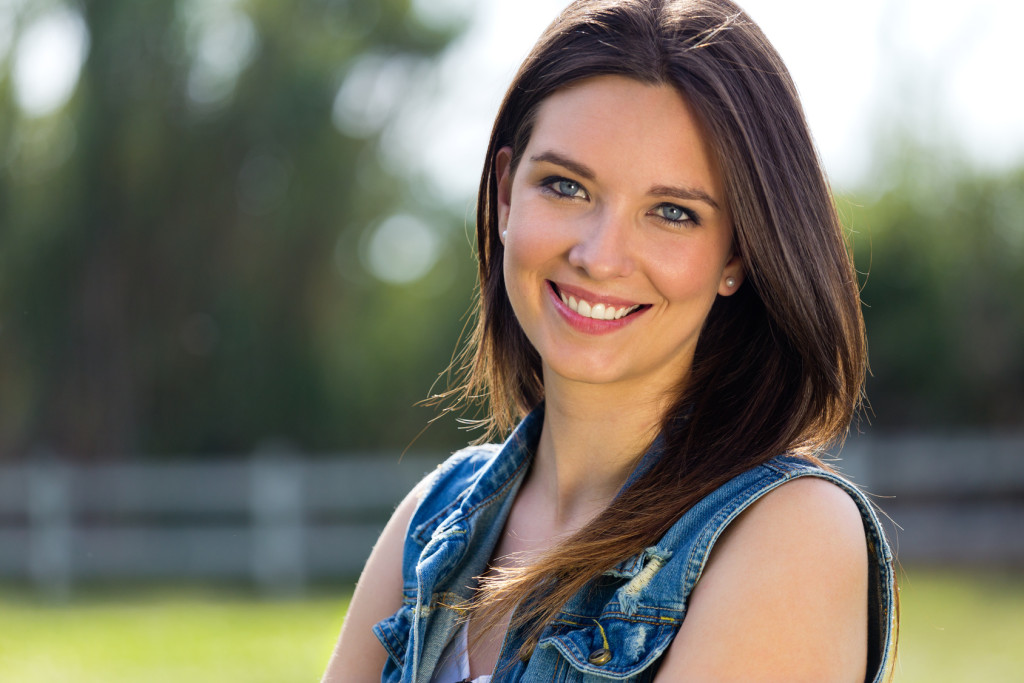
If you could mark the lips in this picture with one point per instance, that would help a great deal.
(588, 306)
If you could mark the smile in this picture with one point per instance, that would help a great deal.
(594, 311)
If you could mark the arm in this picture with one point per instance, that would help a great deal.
(359, 656)
(783, 596)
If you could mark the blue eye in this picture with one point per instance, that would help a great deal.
(674, 214)
(563, 187)
(570, 188)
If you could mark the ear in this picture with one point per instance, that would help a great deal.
(732, 275)
(503, 171)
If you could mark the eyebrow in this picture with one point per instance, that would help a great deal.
(559, 160)
(585, 172)
(686, 194)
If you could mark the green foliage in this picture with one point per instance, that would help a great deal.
(185, 276)
(944, 263)
(184, 246)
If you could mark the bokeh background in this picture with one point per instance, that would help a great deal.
(235, 254)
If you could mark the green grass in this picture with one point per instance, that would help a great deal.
(957, 627)
(960, 627)
(165, 636)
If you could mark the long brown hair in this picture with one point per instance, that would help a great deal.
(779, 366)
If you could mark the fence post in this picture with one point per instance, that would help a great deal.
(278, 537)
(49, 516)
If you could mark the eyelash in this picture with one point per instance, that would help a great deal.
(550, 184)
(688, 216)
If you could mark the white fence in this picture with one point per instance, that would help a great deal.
(956, 499)
(281, 521)
(278, 521)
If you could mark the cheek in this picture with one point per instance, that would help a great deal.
(533, 239)
(690, 274)
(515, 268)
(517, 291)
(518, 268)
(532, 256)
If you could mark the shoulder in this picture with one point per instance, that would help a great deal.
(359, 655)
(379, 591)
(810, 517)
(805, 505)
(784, 592)
(442, 490)
(461, 467)
(377, 595)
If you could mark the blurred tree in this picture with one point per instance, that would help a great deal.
(185, 274)
(943, 252)
(205, 247)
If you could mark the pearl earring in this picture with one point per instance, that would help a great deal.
(504, 235)
(730, 282)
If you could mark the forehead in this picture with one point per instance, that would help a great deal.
(621, 124)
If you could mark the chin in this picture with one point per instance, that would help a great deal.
(596, 372)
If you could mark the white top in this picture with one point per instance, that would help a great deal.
(453, 666)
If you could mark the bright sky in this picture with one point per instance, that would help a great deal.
(945, 70)
(948, 69)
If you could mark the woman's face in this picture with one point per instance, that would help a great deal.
(618, 234)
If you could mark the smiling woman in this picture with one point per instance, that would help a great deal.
(668, 311)
(646, 241)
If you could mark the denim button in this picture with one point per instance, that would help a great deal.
(600, 657)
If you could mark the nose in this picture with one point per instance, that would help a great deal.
(601, 249)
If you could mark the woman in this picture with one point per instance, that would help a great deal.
(666, 296)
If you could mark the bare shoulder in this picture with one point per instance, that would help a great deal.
(358, 655)
(803, 510)
(784, 593)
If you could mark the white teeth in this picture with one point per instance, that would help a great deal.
(596, 311)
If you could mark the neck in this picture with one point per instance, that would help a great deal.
(591, 439)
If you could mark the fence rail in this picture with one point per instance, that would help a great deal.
(277, 520)
(280, 520)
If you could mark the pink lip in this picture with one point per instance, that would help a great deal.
(590, 325)
(592, 298)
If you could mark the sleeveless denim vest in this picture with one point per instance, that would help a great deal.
(631, 613)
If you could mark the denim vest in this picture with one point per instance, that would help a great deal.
(631, 612)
